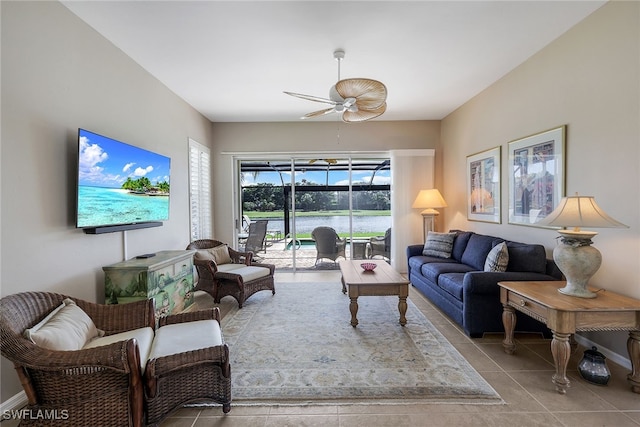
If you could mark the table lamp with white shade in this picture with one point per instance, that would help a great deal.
(575, 256)
(429, 200)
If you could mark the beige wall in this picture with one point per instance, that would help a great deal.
(57, 75)
(588, 79)
(299, 137)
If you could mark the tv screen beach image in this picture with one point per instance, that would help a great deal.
(119, 183)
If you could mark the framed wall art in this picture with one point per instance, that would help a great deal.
(536, 176)
(483, 186)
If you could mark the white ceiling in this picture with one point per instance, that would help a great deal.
(231, 60)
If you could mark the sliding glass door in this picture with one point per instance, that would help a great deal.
(298, 194)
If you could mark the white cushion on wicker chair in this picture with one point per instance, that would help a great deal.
(248, 272)
(144, 336)
(188, 336)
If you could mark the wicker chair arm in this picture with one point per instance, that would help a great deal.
(241, 257)
(116, 318)
(206, 268)
(192, 316)
(121, 356)
(230, 276)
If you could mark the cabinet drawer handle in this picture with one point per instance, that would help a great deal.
(523, 303)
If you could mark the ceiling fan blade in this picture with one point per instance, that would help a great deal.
(369, 94)
(363, 115)
(318, 113)
(311, 98)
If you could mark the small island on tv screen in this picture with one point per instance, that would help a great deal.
(119, 183)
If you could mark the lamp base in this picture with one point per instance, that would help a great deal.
(578, 261)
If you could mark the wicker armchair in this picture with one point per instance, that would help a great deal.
(91, 387)
(328, 243)
(240, 278)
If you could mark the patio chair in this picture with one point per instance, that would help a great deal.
(328, 244)
(381, 245)
(256, 237)
(224, 271)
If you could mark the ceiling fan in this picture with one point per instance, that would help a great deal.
(357, 100)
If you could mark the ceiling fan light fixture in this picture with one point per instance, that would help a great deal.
(356, 99)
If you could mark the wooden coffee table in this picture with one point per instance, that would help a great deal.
(382, 281)
(565, 315)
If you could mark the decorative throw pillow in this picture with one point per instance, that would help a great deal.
(219, 254)
(439, 245)
(498, 258)
(66, 328)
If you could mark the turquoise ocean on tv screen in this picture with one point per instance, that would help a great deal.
(104, 206)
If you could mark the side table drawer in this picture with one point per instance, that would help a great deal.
(526, 305)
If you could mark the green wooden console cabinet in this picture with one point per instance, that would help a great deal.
(166, 277)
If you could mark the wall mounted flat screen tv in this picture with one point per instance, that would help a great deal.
(120, 186)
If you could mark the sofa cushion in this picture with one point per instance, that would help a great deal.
(66, 328)
(183, 337)
(416, 262)
(433, 270)
(497, 259)
(144, 337)
(475, 254)
(439, 244)
(452, 284)
(460, 243)
(527, 258)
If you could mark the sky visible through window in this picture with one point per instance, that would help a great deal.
(318, 177)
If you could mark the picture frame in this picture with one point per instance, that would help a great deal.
(484, 185)
(536, 176)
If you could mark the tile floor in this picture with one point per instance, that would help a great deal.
(523, 380)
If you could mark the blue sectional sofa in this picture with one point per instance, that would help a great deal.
(469, 295)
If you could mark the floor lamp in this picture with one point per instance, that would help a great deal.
(429, 200)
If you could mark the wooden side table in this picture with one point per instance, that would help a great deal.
(565, 315)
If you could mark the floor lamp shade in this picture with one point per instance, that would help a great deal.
(575, 256)
(429, 200)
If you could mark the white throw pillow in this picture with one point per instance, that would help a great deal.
(497, 258)
(66, 328)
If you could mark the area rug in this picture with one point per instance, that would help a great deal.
(298, 346)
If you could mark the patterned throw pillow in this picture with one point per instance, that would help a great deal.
(439, 245)
(497, 259)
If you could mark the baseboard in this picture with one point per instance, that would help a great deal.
(14, 403)
(609, 354)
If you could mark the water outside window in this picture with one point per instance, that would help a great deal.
(350, 196)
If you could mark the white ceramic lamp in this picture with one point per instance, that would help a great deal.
(429, 200)
(575, 256)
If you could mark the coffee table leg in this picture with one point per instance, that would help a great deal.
(354, 310)
(509, 323)
(633, 347)
(561, 350)
(402, 308)
(344, 288)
